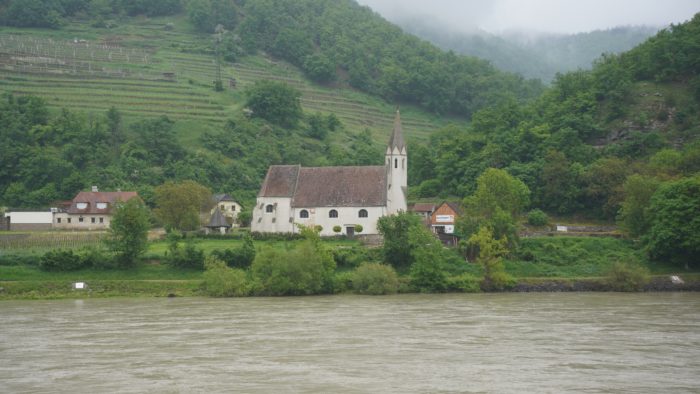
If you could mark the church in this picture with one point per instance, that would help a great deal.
(349, 198)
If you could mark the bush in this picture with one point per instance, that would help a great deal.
(465, 282)
(241, 257)
(537, 217)
(375, 279)
(498, 281)
(342, 281)
(358, 228)
(97, 258)
(222, 281)
(61, 260)
(351, 257)
(307, 269)
(337, 229)
(624, 276)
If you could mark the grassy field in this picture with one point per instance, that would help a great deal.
(146, 70)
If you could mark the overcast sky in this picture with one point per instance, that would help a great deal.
(556, 16)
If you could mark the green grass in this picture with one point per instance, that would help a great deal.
(146, 271)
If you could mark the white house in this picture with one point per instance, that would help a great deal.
(334, 196)
(228, 207)
(90, 210)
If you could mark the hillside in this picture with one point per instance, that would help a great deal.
(146, 68)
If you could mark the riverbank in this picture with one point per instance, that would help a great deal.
(64, 289)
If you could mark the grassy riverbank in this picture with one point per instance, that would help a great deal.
(539, 264)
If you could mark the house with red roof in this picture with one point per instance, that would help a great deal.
(90, 210)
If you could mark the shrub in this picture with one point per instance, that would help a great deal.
(342, 281)
(428, 268)
(307, 269)
(350, 257)
(465, 282)
(624, 276)
(375, 279)
(358, 228)
(241, 257)
(97, 258)
(60, 260)
(498, 281)
(222, 281)
(337, 229)
(537, 217)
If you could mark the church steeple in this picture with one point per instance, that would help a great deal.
(397, 169)
(396, 140)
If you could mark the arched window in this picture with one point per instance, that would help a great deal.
(403, 163)
(304, 214)
(332, 213)
(396, 163)
(362, 213)
(269, 208)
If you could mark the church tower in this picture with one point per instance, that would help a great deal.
(397, 170)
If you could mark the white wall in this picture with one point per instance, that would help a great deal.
(30, 217)
(275, 222)
(75, 223)
(347, 217)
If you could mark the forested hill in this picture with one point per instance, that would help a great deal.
(533, 55)
(332, 41)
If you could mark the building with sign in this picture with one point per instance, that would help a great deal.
(444, 218)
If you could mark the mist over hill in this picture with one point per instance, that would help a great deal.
(528, 53)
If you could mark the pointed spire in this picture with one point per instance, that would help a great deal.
(396, 140)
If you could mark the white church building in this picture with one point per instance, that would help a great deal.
(333, 197)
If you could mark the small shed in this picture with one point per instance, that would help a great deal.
(218, 222)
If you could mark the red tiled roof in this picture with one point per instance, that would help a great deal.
(356, 186)
(92, 198)
(280, 181)
(351, 186)
(423, 207)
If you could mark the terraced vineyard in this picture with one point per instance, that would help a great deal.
(162, 80)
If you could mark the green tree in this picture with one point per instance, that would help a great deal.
(276, 102)
(490, 253)
(396, 229)
(674, 217)
(128, 232)
(633, 216)
(428, 266)
(178, 204)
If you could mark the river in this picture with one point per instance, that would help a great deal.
(501, 343)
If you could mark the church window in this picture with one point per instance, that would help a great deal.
(403, 163)
(304, 214)
(269, 208)
(362, 213)
(333, 213)
(396, 163)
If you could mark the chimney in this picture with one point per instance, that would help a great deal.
(94, 189)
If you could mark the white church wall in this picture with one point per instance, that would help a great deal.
(347, 217)
(276, 221)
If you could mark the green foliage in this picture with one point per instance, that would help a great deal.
(61, 260)
(466, 283)
(179, 204)
(428, 269)
(276, 102)
(189, 256)
(674, 217)
(354, 256)
(627, 276)
(205, 15)
(375, 279)
(396, 229)
(638, 191)
(537, 217)
(337, 229)
(358, 228)
(240, 257)
(222, 281)
(490, 252)
(306, 269)
(128, 232)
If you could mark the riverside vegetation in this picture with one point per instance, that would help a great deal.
(618, 143)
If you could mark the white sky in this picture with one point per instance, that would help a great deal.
(555, 16)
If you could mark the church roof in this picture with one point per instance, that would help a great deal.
(396, 140)
(280, 181)
(358, 186)
(351, 186)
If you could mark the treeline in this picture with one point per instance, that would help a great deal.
(51, 156)
(52, 13)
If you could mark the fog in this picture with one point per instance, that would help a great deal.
(551, 16)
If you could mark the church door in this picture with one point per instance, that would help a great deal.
(350, 231)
